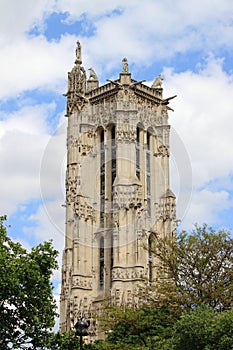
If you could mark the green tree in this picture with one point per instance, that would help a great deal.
(193, 330)
(27, 306)
(135, 329)
(202, 329)
(63, 341)
(196, 268)
(222, 331)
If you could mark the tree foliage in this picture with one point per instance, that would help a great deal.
(196, 269)
(203, 329)
(135, 329)
(63, 341)
(27, 306)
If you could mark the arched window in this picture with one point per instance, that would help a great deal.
(101, 263)
(150, 266)
(148, 175)
(113, 136)
(102, 176)
(113, 166)
(138, 154)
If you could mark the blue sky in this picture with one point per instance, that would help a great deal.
(189, 42)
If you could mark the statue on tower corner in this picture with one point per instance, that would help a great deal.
(93, 81)
(78, 53)
(93, 74)
(125, 65)
(157, 83)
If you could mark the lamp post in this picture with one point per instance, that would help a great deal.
(81, 330)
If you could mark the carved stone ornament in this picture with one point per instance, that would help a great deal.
(130, 273)
(84, 149)
(149, 114)
(126, 197)
(80, 206)
(125, 297)
(162, 151)
(82, 209)
(126, 133)
(104, 113)
(75, 103)
(71, 190)
(82, 282)
(126, 99)
(166, 209)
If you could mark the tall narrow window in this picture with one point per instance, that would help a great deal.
(113, 154)
(138, 154)
(148, 176)
(101, 263)
(150, 260)
(113, 160)
(102, 176)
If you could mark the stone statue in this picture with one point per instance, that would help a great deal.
(93, 74)
(157, 83)
(78, 53)
(125, 65)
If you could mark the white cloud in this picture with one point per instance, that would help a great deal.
(147, 31)
(205, 207)
(53, 166)
(32, 63)
(18, 17)
(91, 8)
(23, 136)
(143, 31)
(50, 216)
(203, 120)
(49, 223)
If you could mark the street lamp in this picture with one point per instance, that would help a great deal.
(81, 330)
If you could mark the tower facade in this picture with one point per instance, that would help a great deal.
(117, 190)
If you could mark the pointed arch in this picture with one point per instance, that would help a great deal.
(148, 172)
(101, 263)
(138, 149)
(113, 153)
(150, 258)
(102, 174)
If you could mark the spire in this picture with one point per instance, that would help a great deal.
(76, 84)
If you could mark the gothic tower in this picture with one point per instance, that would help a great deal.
(117, 190)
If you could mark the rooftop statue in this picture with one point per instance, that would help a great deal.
(125, 65)
(78, 53)
(93, 74)
(157, 83)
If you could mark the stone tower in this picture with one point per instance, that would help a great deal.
(117, 190)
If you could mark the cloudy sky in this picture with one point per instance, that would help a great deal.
(189, 42)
